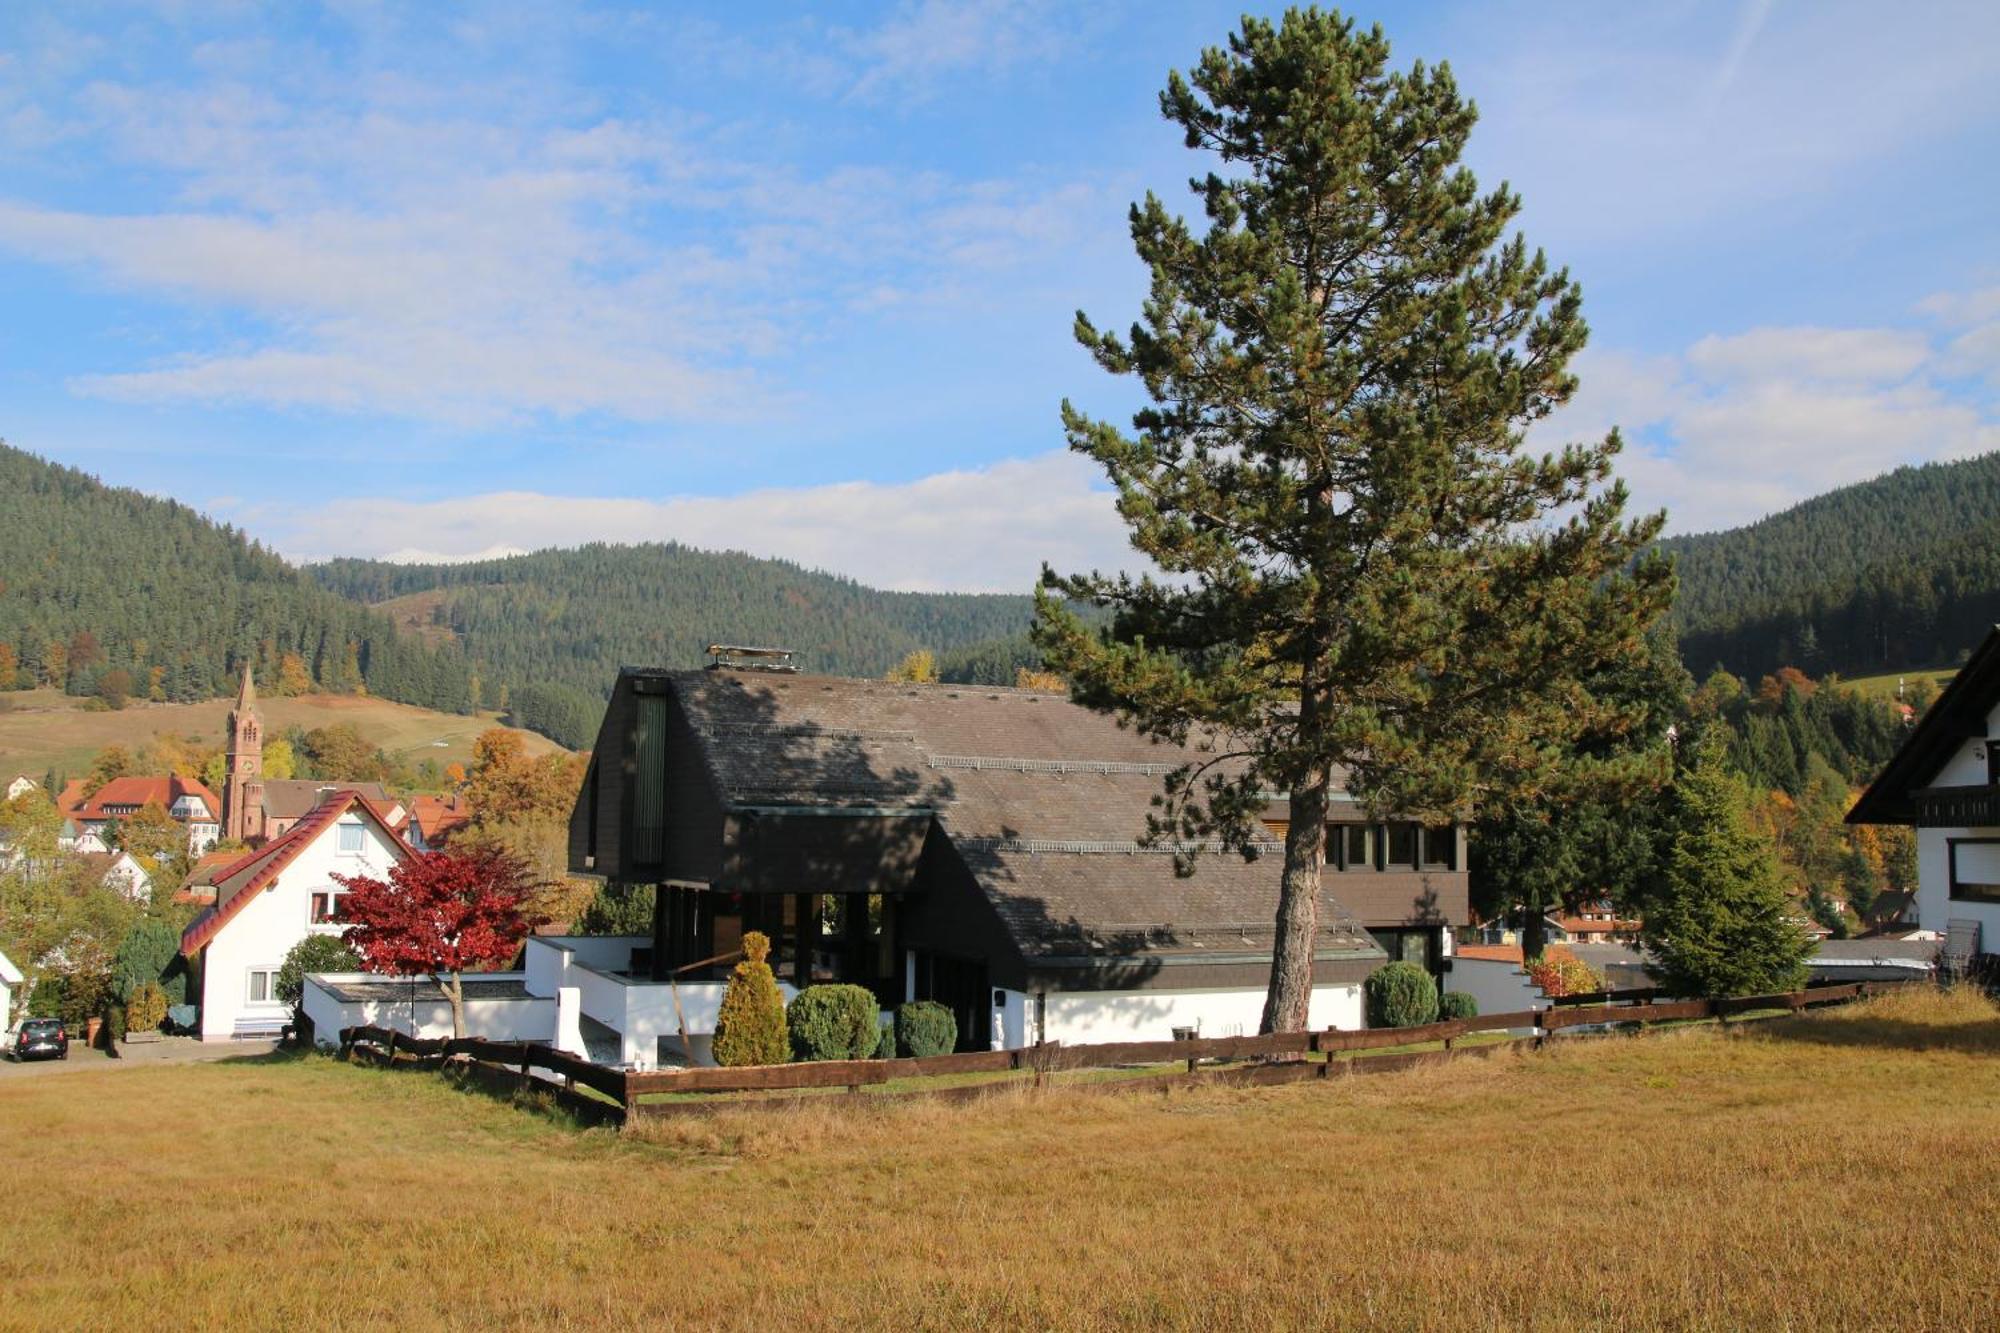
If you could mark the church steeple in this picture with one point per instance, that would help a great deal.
(243, 795)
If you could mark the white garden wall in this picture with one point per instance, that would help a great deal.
(1078, 1018)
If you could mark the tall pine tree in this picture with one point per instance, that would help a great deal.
(1364, 570)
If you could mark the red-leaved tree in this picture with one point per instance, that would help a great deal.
(442, 913)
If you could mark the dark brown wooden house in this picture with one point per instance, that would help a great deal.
(969, 844)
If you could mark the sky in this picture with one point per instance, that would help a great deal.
(436, 281)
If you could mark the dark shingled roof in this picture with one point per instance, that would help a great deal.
(1043, 799)
(293, 798)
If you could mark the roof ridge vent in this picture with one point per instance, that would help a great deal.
(745, 657)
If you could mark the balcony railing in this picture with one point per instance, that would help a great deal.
(1958, 807)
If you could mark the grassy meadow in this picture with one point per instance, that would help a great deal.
(1830, 1171)
(1884, 686)
(44, 729)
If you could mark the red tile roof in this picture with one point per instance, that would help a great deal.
(238, 884)
(74, 793)
(440, 816)
(163, 791)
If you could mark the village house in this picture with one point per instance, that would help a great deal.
(186, 799)
(1945, 782)
(21, 785)
(269, 899)
(11, 986)
(972, 845)
(434, 819)
(122, 872)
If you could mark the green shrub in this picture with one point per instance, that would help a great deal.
(885, 1045)
(114, 1023)
(925, 1027)
(46, 999)
(1401, 995)
(314, 953)
(147, 1008)
(833, 1023)
(1456, 1004)
(148, 949)
(750, 1028)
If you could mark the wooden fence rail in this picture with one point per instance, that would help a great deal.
(627, 1088)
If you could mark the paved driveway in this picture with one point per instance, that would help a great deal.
(140, 1055)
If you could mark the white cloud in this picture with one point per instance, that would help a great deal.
(397, 253)
(983, 530)
(927, 41)
(1743, 425)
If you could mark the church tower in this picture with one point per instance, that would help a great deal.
(243, 796)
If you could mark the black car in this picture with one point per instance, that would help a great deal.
(41, 1037)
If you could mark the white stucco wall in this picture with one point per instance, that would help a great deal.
(532, 1019)
(1935, 907)
(1080, 1017)
(1499, 987)
(259, 936)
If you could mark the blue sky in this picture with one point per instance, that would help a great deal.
(442, 280)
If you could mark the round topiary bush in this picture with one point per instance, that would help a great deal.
(925, 1027)
(750, 1027)
(1401, 995)
(834, 1023)
(1456, 1004)
(885, 1042)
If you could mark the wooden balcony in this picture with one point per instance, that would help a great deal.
(1958, 807)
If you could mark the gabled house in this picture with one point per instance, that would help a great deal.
(129, 875)
(434, 819)
(21, 785)
(977, 846)
(186, 799)
(1945, 782)
(269, 899)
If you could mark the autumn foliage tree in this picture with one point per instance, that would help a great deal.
(442, 914)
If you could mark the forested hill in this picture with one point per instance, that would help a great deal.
(1896, 573)
(567, 619)
(98, 580)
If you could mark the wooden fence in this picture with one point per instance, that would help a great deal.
(1284, 1056)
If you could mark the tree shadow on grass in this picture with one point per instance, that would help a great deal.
(1920, 1019)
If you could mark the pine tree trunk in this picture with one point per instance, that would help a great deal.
(1290, 996)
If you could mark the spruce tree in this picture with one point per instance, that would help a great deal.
(1367, 578)
(1718, 921)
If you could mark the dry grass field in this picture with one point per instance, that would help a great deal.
(1834, 1171)
(43, 729)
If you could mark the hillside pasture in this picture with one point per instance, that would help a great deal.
(1834, 1170)
(1884, 686)
(42, 729)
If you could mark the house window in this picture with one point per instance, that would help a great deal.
(325, 907)
(351, 841)
(263, 987)
(1402, 845)
(1441, 848)
(1359, 845)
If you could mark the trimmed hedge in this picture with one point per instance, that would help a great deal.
(925, 1027)
(750, 1029)
(885, 1044)
(147, 1008)
(1401, 995)
(1456, 1004)
(835, 1022)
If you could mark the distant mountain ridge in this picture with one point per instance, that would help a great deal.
(1895, 573)
(568, 618)
(97, 580)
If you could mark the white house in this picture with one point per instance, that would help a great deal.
(11, 981)
(130, 875)
(1945, 782)
(272, 898)
(20, 785)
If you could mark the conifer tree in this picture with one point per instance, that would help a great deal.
(750, 1024)
(1364, 568)
(1718, 920)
